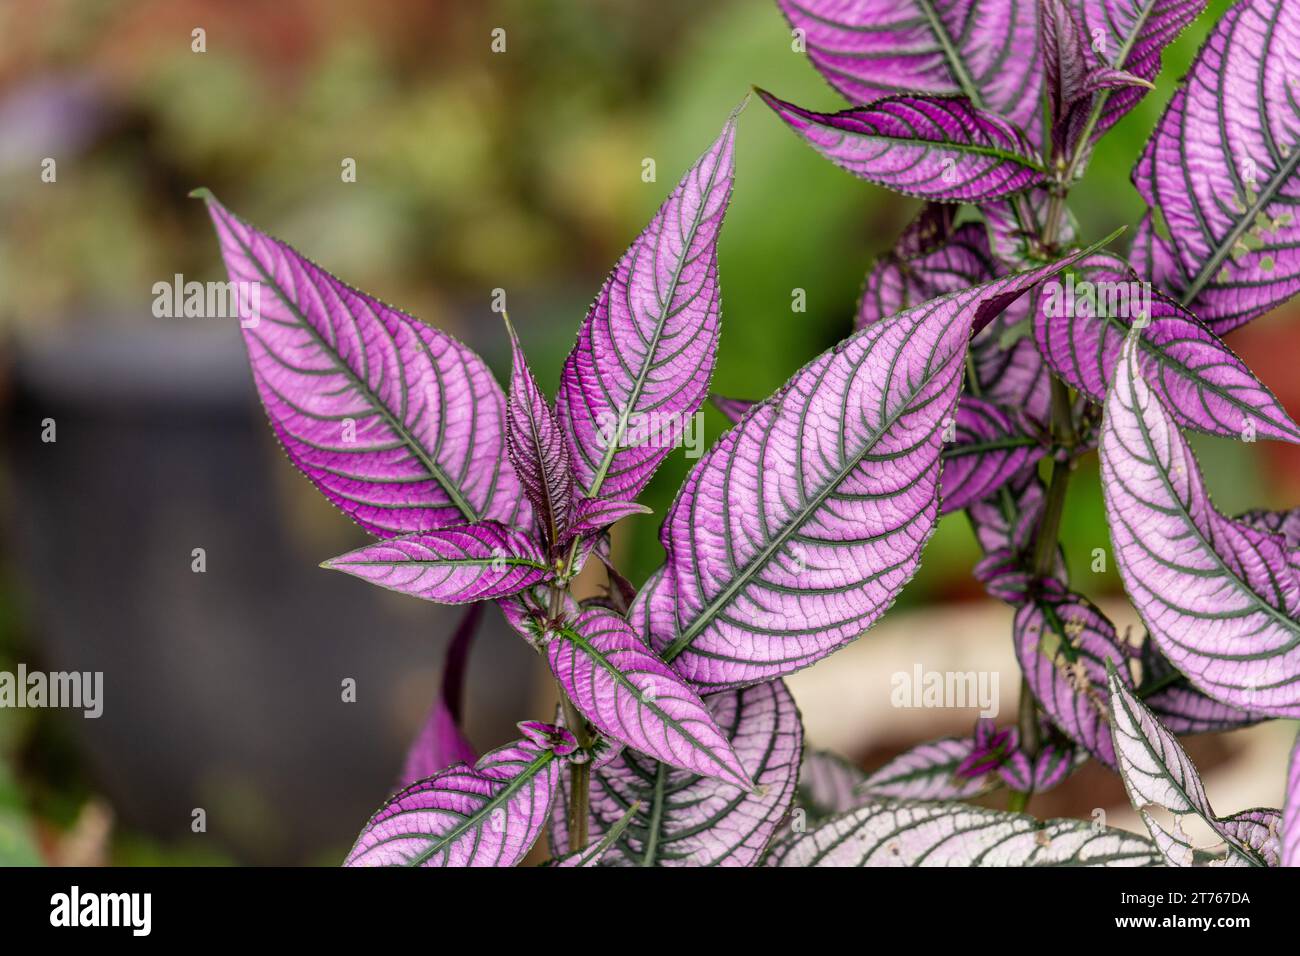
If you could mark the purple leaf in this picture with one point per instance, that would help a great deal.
(1080, 327)
(1284, 523)
(1290, 855)
(873, 48)
(688, 820)
(1074, 76)
(1220, 166)
(645, 352)
(902, 833)
(1066, 67)
(990, 449)
(1219, 598)
(733, 408)
(927, 772)
(797, 529)
(828, 784)
(632, 696)
(473, 562)
(1180, 706)
(1185, 710)
(990, 750)
(1259, 830)
(537, 447)
(918, 271)
(931, 228)
(594, 515)
(1062, 643)
(1004, 526)
(441, 742)
(1159, 776)
(487, 815)
(1130, 35)
(398, 424)
(900, 280)
(1053, 764)
(936, 149)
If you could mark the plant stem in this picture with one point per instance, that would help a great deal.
(1049, 526)
(579, 774)
(1047, 535)
(579, 771)
(1046, 543)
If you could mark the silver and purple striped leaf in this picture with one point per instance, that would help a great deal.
(990, 448)
(441, 742)
(473, 562)
(537, 447)
(1062, 643)
(629, 694)
(901, 833)
(398, 424)
(490, 814)
(797, 529)
(1080, 327)
(689, 820)
(594, 515)
(646, 350)
(1260, 830)
(900, 280)
(1220, 598)
(927, 263)
(1220, 171)
(1131, 35)
(733, 408)
(868, 49)
(928, 771)
(828, 785)
(1162, 782)
(938, 149)
(1178, 704)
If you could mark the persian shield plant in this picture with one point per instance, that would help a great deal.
(992, 349)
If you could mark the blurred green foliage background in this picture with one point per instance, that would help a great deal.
(475, 170)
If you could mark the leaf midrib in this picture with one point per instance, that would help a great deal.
(793, 524)
(1176, 784)
(485, 809)
(597, 656)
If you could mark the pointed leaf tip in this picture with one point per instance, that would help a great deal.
(400, 425)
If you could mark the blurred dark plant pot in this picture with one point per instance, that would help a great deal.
(223, 690)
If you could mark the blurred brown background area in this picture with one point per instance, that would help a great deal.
(475, 170)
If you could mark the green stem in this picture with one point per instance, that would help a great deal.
(1047, 535)
(579, 771)
(579, 774)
